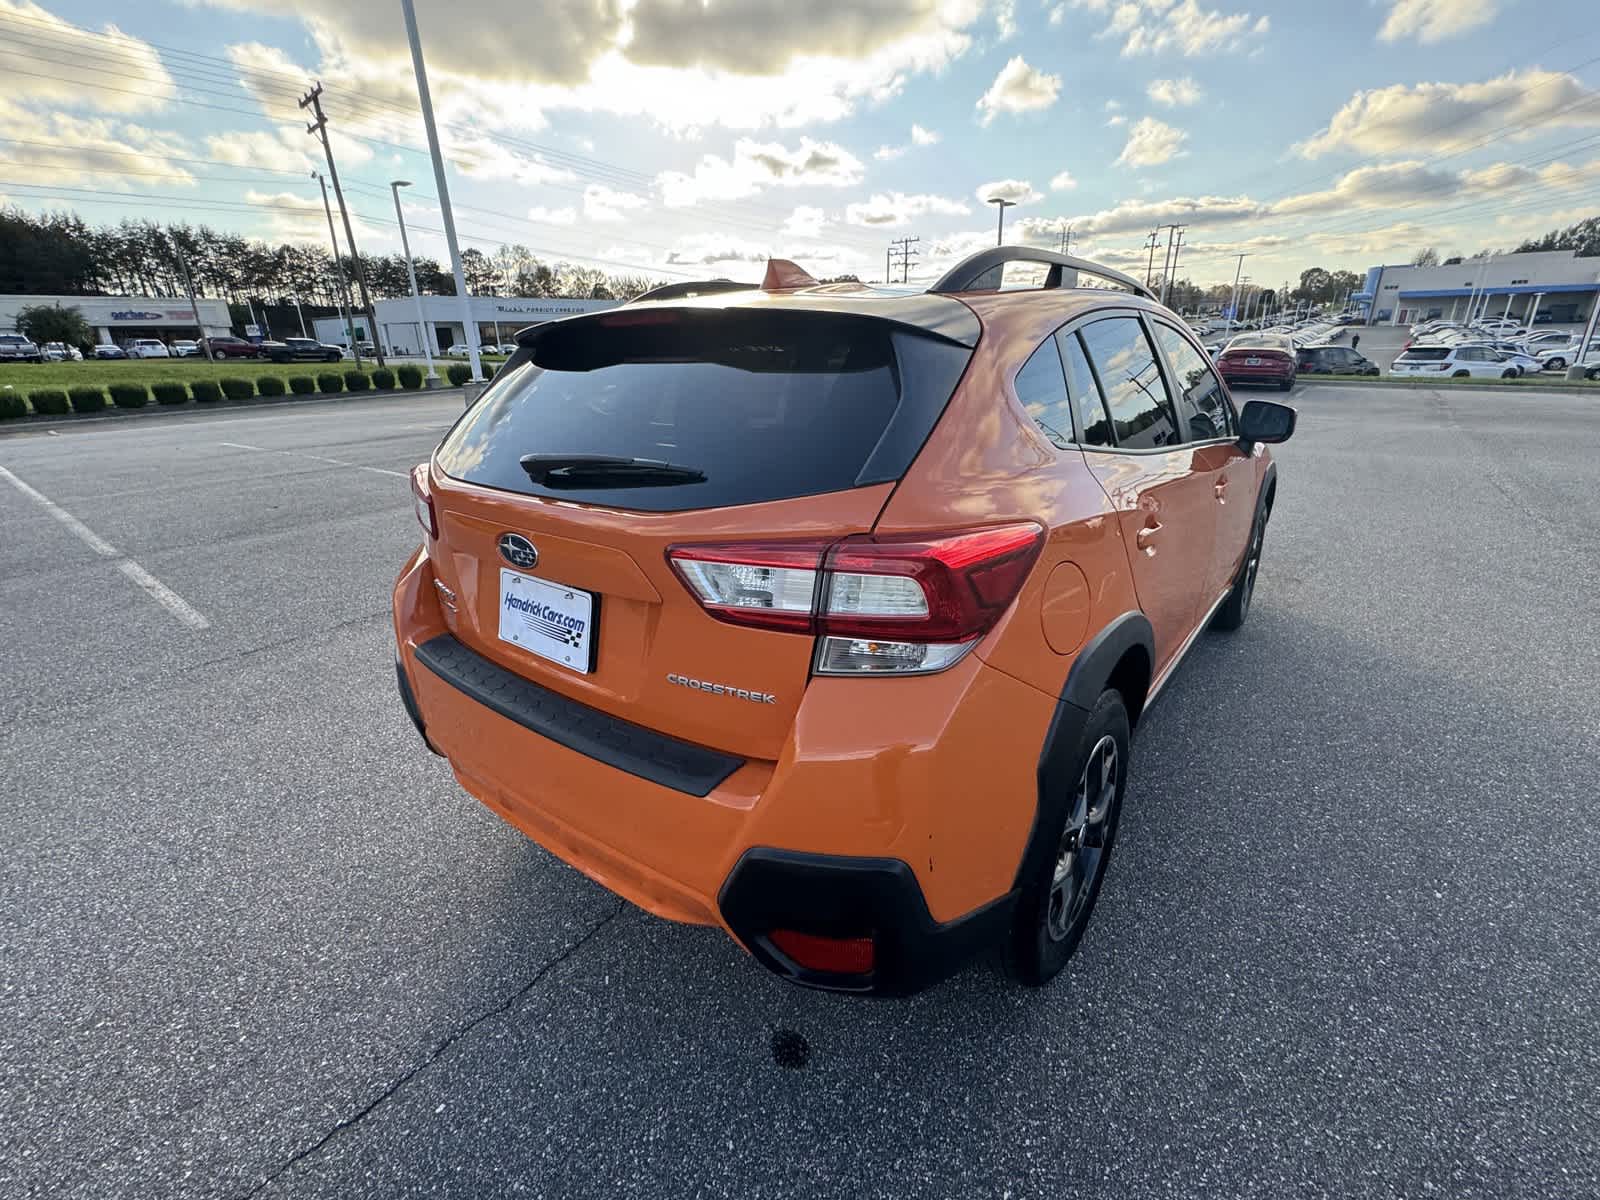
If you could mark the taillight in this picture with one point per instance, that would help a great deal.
(895, 605)
(423, 501)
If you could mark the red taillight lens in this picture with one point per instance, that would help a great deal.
(836, 956)
(896, 604)
(423, 500)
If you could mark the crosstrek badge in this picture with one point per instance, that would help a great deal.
(548, 619)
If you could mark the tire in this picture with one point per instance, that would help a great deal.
(1555, 364)
(1054, 907)
(1237, 606)
(331, 358)
(1286, 385)
(1510, 373)
(1373, 374)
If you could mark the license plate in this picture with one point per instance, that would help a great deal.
(1252, 362)
(547, 618)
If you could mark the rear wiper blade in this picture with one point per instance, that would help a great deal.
(589, 470)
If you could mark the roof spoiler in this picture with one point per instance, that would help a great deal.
(982, 271)
(688, 291)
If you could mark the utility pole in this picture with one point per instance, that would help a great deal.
(338, 271)
(1066, 240)
(320, 128)
(1150, 267)
(424, 335)
(188, 283)
(1166, 263)
(468, 325)
(902, 246)
(1239, 266)
(1177, 249)
(888, 262)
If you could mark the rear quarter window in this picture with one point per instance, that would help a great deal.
(1426, 354)
(769, 405)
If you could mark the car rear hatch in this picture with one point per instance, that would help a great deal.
(583, 504)
(1247, 360)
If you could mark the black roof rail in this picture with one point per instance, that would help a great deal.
(685, 291)
(982, 271)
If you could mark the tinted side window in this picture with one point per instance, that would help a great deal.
(1093, 424)
(1202, 411)
(1043, 392)
(1124, 360)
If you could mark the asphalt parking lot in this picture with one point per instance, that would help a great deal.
(254, 941)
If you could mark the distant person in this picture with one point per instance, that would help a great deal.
(1355, 340)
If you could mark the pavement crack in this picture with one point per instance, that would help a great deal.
(448, 1041)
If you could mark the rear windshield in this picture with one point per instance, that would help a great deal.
(1426, 353)
(767, 405)
(1258, 343)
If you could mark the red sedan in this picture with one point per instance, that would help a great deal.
(1266, 358)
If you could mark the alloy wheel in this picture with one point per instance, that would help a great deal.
(1080, 856)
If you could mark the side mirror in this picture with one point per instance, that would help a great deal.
(1264, 421)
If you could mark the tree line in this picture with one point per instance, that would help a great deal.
(61, 254)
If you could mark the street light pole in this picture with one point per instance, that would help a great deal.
(301, 315)
(1238, 266)
(1000, 229)
(411, 269)
(469, 328)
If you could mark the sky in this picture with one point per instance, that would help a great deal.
(696, 138)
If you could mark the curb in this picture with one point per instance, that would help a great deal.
(1523, 384)
(33, 422)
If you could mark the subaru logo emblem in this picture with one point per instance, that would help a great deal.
(518, 550)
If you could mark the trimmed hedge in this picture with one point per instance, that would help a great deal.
(271, 385)
(235, 388)
(129, 395)
(87, 399)
(383, 379)
(356, 381)
(330, 381)
(410, 377)
(458, 373)
(170, 391)
(302, 385)
(206, 391)
(12, 404)
(48, 402)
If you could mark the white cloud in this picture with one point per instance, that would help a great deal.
(601, 203)
(97, 150)
(553, 216)
(1018, 191)
(804, 222)
(710, 249)
(1448, 116)
(1157, 26)
(1151, 143)
(1113, 105)
(69, 82)
(1174, 93)
(481, 158)
(897, 208)
(277, 149)
(1063, 182)
(888, 153)
(295, 217)
(756, 165)
(923, 137)
(1005, 20)
(1430, 21)
(1116, 121)
(1018, 88)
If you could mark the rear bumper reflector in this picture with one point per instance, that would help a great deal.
(682, 766)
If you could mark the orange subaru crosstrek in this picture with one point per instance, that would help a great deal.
(824, 613)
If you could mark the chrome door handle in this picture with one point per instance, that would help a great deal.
(1222, 489)
(1147, 535)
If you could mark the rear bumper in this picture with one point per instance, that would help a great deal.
(908, 832)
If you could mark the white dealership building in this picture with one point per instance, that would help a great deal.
(1546, 286)
(496, 319)
(120, 319)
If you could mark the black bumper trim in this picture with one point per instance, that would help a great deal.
(838, 896)
(409, 700)
(682, 766)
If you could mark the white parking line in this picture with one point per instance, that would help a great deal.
(153, 587)
(333, 462)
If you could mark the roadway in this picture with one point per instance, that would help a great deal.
(254, 940)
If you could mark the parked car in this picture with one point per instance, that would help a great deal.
(228, 346)
(109, 350)
(622, 687)
(302, 350)
(1334, 360)
(1558, 357)
(148, 348)
(506, 348)
(459, 350)
(1454, 362)
(186, 349)
(14, 347)
(61, 352)
(1259, 358)
(367, 348)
